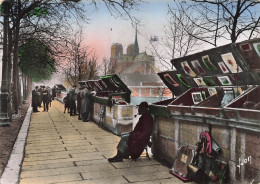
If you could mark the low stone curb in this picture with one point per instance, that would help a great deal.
(11, 173)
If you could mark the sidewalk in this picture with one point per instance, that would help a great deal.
(62, 149)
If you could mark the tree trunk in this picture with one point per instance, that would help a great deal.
(29, 86)
(15, 66)
(9, 77)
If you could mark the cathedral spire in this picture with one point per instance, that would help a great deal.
(136, 47)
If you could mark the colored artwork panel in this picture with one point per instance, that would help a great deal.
(169, 79)
(199, 81)
(196, 97)
(224, 80)
(212, 91)
(245, 47)
(182, 80)
(208, 63)
(231, 63)
(209, 82)
(223, 67)
(257, 48)
(185, 66)
(198, 67)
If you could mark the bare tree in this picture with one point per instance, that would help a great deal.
(221, 20)
(175, 42)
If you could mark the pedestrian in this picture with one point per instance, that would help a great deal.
(53, 92)
(35, 99)
(40, 96)
(133, 143)
(73, 96)
(79, 102)
(86, 104)
(45, 99)
(66, 101)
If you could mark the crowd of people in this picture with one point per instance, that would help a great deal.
(77, 102)
(41, 96)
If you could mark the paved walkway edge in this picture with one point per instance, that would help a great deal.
(11, 173)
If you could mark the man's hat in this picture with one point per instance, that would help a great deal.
(143, 105)
(74, 86)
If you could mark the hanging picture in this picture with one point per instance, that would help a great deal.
(257, 48)
(169, 79)
(223, 67)
(198, 67)
(182, 80)
(208, 63)
(196, 97)
(245, 47)
(185, 66)
(199, 81)
(231, 63)
(224, 80)
(212, 91)
(208, 82)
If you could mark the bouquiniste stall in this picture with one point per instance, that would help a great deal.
(217, 91)
(111, 108)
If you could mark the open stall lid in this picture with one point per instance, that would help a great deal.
(113, 83)
(228, 65)
(175, 81)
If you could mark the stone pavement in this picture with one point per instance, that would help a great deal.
(62, 149)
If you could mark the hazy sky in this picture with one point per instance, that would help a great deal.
(103, 29)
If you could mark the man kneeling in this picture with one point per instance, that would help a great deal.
(133, 143)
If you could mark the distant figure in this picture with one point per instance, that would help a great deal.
(53, 92)
(40, 96)
(133, 143)
(35, 99)
(79, 103)
(73, 96)
(86, 104)
(45, 99)
(66, 101)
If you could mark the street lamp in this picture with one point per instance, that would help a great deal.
(4, 119)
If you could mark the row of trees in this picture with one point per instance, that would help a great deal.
(40, 41)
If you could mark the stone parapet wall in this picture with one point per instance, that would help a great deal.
(236, 143)
(117, 118)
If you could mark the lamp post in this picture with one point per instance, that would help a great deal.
(4, 119)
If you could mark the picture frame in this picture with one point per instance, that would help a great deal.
(257, 48)
(225, 81)
(198, 67)
(245, 47)
(223, 67)
(208, 63)
(196, 97)
(187, 69)
(212, 91)
(171, 81)
(199, 81)
(231, 63)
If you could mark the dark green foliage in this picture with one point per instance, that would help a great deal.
(38, 11)
(35, 60)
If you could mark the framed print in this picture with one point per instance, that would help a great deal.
(231, 63)
(196, 97)
(209, 82)
(208, 63)
(212, 91)
(182, 80)
(257, 48)
(185, 66)
(198, 67)
(169, 79)
(223, 67)
(199, 81)
(245, 47)
(224, 80)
